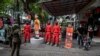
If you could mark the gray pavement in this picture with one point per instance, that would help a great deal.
(47, 50)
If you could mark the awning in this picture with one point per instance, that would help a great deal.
(64, 7)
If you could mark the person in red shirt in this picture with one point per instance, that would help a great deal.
(27, 32)
(48, 33)
(56, 33)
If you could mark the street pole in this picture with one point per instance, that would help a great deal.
(18, 15)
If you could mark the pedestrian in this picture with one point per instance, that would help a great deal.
(2, 31)
(1, 23)
(9, 35)
(80, 36)
(56, 33)
(85, 37)
(90, 34)
(27, 32)
(16, 41)
(9, 31)
(48, 33)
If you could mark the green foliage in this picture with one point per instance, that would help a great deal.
(43, 20)
(33, 5)
(4, 4)
(37, 9)
(3, 15)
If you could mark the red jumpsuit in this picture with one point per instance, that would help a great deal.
(56, 32)
(48, 33)
(27, 32)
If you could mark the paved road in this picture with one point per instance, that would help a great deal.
(47, 50)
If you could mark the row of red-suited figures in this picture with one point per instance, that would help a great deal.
(53, 35)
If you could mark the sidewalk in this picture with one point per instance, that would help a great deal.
(47, 50)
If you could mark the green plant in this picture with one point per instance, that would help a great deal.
(4, 4)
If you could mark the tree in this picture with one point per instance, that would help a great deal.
(32, 7)
(26, 4)
(4, 4)
(37, 9)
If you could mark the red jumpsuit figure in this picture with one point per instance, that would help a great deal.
(56, 33)
(48, 33)
(27, 32)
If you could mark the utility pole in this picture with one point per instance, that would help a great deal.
(17, 10)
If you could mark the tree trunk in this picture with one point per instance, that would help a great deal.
(17, 10)
(27, 9)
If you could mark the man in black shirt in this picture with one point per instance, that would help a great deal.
(16, 41)
(80, 31)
